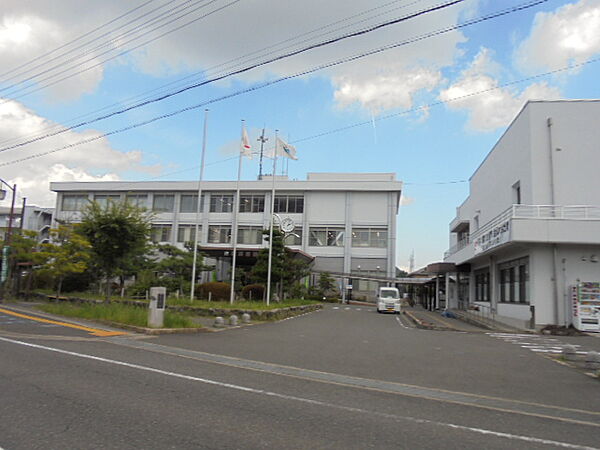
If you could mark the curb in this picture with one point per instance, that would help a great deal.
(422, 324)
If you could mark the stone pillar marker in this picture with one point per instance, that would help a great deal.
(156, 309)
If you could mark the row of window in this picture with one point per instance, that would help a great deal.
(219, 234)
(219, 203)
(318, 236)
(513, 282)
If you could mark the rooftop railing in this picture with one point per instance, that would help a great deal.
(536, 212)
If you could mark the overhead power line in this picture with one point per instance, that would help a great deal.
(248, 68)
(65, 45)
(337, 130)
(236, 62)
(94, 57)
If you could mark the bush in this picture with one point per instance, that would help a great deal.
(253, 292)
(78, 282)
(219, 290)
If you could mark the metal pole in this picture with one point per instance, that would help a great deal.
(23, 213)
(10, 217)
(271, 222)
(262, 139)
(555, 296)
(199, 203)
(234, 234)
(7, 239)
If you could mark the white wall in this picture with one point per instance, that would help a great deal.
(369, 208)
(576, 133)
(327, 208)
(491, 186)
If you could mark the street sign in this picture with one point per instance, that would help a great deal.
(4, 269)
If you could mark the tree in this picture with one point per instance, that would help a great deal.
(177, 264)
(326, 284)
(68, 252)
(23, 253)
(118, 233)
(286, 269)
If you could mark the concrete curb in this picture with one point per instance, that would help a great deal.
(425, 325)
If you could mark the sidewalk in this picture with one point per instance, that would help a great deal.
(434, 320)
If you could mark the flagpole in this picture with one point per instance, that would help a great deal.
(198, 205)
(271, 222)
(234, 234)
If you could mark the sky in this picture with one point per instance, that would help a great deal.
(424, 91)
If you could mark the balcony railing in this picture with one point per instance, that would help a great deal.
(536, 212)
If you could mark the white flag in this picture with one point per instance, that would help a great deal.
(282, 148)
(245, 148)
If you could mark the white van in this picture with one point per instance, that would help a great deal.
(388, 300)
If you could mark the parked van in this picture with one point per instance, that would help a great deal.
(388, 300)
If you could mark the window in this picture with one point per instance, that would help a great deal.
(74, 202)
(250, 235)
(295, 238)
(326, 237)
(163, 202)
(189, 203)
(103, 200)
(221, 203)
(516, 189)
(161, 233)
(187, 233)
(139, 200)
(369, 237)
(219, 234)
(252, 203)
(482, 286)
(289, 204)
(514, 281)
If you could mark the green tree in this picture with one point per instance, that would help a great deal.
(118, 233)
(67, 252)
(176, 264)
(326, 284)
(286, 269)
(23, 253)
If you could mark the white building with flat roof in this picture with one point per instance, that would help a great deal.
(35, 218)
(530, 229)
(346, 221)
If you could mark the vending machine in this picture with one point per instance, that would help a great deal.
(585, 299)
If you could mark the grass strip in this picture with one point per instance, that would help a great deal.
(114, 312)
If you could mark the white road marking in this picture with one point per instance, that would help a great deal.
(401, 324)
(305, 400)
(537, 344)
(336, 307)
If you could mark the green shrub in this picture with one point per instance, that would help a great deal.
(253, 292)
(219, 290)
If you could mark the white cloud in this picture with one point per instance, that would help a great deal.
(40, 25)
(405, 201)
(377, 93)
(495, 107)
(94, 161)
(568, 35)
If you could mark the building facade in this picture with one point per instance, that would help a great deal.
(347, 222)
(530, 229)
(35, 219)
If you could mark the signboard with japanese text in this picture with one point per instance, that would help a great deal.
(498, 235)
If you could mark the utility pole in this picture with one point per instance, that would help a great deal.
(262, 139)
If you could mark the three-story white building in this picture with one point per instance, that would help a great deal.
(530, 229)
(346, 222)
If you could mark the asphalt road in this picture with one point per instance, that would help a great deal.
(338, 378)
